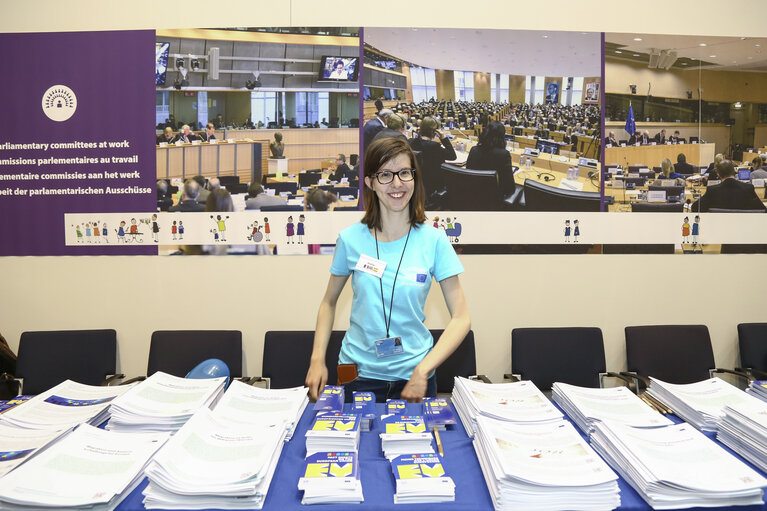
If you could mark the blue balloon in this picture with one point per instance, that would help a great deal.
(211, 368)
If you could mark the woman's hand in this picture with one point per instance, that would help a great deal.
(316, 378)
(415, 389)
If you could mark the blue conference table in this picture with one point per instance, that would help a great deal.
(460, 462)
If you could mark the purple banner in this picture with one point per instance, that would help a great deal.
(77, 136)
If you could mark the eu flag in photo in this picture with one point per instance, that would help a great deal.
(631, 125)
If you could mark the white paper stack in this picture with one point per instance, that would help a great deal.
(245, 403)
(331, 478)
(585, 406)
(518, 403)
(744, 430)
(163, 402)
(421, 478)
(65, 406)
(758, 389)
(333, 432)
(543, 467)
(90, 469)
(18, 445)
(701, 403)
(404, 434)
(677, 466)
(214, 463)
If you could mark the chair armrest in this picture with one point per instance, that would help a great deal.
(626, 379)
(757, 374)
(252, 380)
(133, 380)
(480, 377)
(11, 379)
(512, 377)
(740, 374)
(637, 379)
(111, 379)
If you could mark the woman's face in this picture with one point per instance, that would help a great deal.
(394, 196)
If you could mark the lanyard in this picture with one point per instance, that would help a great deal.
(380, 281)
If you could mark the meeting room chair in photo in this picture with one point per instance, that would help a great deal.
(177, 352)
(671, 191)
(229, 180)
(475, 190)
(462, 362)
(283, 186)
(657, 207)
(287, 354)
(237, 188)
(308, 179)
(573, 355)
(541, 197)
(47, 358)
(283, 207)
(752, 340)
(670, 353)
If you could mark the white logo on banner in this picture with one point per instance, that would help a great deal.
(59, 103)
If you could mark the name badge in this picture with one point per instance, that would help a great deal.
(371, 266)
(389, 347)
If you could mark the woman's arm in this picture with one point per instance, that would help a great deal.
(456, 330)
(317, 375)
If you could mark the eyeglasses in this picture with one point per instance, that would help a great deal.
(387, 176)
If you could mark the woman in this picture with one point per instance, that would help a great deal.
(667, 172)
(491, 154)
(392, 256)
(435, 150)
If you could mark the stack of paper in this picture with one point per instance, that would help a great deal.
(544, 467)
(17, 445)
(421, 478)
(758, 389)
(404, 434)
(65, 406)
(585, 406)
(437, 413)
(245, 403)
(333, 432)
(90, 469)
(701, 403)
(364, 405)
(214, 463)
(331, 478)
(394, 406)
(331, 399)
(744, 430)
(163, 402)
(518, 403)
(677, 466)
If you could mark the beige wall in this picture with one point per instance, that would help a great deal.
(482, 86)
(445, 84)
(516, 89)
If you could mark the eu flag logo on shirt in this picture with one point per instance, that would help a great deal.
(420, 277)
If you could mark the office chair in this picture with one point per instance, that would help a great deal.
(283, 207)
(476, 190)
(462, 362)
(671, 353)
(287, 354)
(47, 358)
(659, 207)
(229, 180)
(283, 186)
(752, 340)
(308, 178)
(541, 197)
(574, 355)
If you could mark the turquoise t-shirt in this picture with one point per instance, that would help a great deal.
(428, 255)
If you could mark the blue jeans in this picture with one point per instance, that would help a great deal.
(384, 390)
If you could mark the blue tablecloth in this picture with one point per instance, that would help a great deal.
(378, 482)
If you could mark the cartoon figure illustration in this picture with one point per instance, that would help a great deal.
(567, 231)
(121, 232)
(104, 233)
(300, 232)
(436, 222)
(133, 226)
(88, 231)
(215, 235)
(221, 224)
(79, 234)
(180, 230)
(96, 231)
(695, 230)
(576, 231)
(453, 230)
(174, 229)
(290, 230)
(686, 230)
(266, 229)
(155, 229)
(255, 233)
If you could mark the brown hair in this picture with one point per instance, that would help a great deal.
(377, 154)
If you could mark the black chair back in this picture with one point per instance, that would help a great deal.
(237, 187)
(283, 186)
(752, 339)
(651, 207)
(472, 190)
(46, 359)
(229, 180)
(462, 362)
(541, 197)
(177, 352)
(287, 354)
(308, 178)
(283, 207)
(574, 355)
(671, 353)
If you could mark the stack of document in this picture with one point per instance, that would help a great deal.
(333, 432)
(396, 406)
(744, 430)
(545, 467)
(677, 466)
(437, 413)
(518, 403)
(758, 389)
(213, 463)
(331, 399)
(163, 402)
(331, 478)
(421, 478)
(90, 469)
(17, 445)
(364, 405)
(585, 406)
(65, 406)
(245, 403)
(701, 403)
(404, 434)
